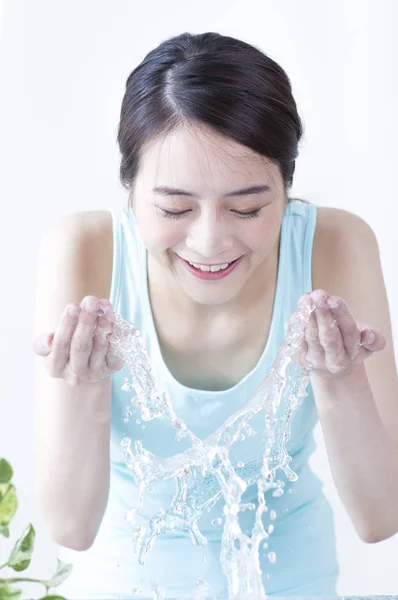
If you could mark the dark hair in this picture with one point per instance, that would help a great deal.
(215, 80)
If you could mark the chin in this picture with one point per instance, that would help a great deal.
(211, 297)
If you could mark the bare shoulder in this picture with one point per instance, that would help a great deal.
(346, 263)
(339, 236)
(85, 223)
(88, 237)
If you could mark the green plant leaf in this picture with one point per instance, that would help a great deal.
(9, 593)
(63, 571)
(4, 487)
(52, 598)
(22, 552)
(6, 471)
(4, 531)
(8, 503)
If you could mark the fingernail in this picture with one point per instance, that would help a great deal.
(332, 303)
(74, 311)
(105, 310)
(112, 359)
(90, 305)
(371, 337)
(49, 341)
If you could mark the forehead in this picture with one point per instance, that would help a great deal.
(194, 154)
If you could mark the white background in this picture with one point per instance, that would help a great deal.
(63, 70)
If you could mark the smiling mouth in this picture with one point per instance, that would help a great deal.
(211, 272)
(211, 268)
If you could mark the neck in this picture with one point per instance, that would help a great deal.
(255, 292)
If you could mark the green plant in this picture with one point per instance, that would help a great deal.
(21, 554)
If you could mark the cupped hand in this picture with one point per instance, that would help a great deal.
(333, 339)
(79, 350)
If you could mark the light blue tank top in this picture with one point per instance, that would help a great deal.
(303, 536)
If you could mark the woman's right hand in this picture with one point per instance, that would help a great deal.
(79, 351)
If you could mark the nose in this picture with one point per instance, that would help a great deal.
(209, 236)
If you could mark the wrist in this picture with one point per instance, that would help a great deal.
(333, 390)
(353, 372)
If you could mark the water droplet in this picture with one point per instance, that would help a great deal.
(248, 506)
(196, 471)
(135, 591)
(126, 420)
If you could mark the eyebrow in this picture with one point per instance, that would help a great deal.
(164, 190)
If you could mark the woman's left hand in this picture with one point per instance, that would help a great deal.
(333, 339)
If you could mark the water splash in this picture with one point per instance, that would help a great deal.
(207, 460)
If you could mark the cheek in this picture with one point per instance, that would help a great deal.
(262, 234)
(159, 237)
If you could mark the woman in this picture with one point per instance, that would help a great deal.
(209, 261)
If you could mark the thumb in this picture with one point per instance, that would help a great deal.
(42, 344)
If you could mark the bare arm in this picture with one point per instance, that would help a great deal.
(358, 409)
(72, 426)
(363, 459)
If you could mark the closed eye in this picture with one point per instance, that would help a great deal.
(248, 215)
(178, 215)
(172, 215)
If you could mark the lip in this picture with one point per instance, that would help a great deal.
(211, 275)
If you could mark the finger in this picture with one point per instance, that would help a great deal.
(60, 348)
(301, 353)
(102, 360)
(82, 340)
(330, 336)
(349, 331)
(42, 344)
(315, 353)
(100, 347)
(371, 338)
(105, 318)
(114, 362)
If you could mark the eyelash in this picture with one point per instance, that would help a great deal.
(178, 215)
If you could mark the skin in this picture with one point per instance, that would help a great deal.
(208, 166)
(225, 321)
(214, 230)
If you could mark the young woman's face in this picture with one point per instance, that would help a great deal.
(202, 198)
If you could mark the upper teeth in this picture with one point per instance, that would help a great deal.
(210, 268)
